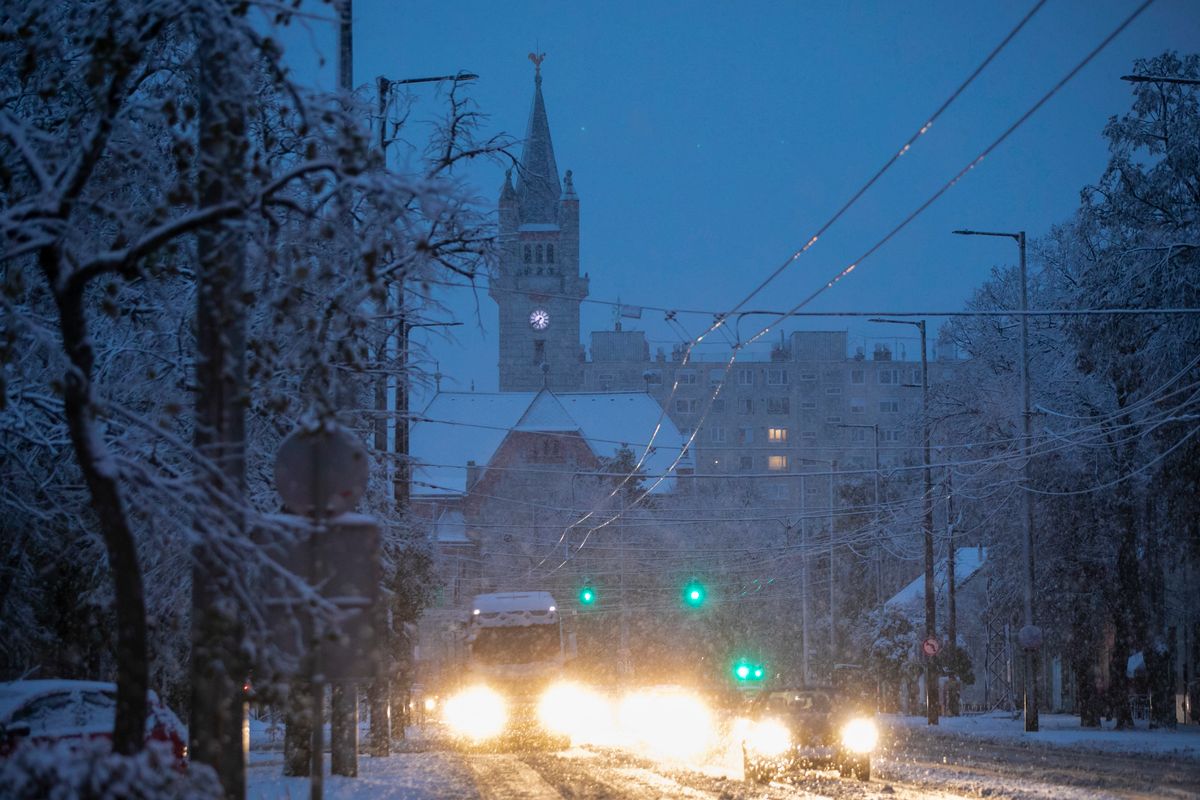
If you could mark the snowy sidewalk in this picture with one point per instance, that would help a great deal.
(1060, 731)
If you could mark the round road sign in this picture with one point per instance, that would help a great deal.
(322, 470)
(931, 646)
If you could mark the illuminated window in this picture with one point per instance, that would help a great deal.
(777, 463)
(776, 434)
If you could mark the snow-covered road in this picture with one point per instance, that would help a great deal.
(964, 758)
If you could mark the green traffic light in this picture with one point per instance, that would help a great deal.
(745, 670)
(694, 594)
(587, 595)
(742, 672)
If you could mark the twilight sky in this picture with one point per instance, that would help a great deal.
(710, 140)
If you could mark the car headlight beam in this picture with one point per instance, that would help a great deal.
(860, 735)
(768, 737)
(477, 713)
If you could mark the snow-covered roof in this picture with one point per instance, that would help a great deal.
(457, 427)
(967, 561)
(451, 528)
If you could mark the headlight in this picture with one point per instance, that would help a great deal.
(770, 737)
(478, 713)
(430, 703)
(860, 736)
(673, 723)
(572, 710)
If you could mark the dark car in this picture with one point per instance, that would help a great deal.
(807, 728)
(46, 711)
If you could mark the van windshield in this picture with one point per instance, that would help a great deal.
(516, 645)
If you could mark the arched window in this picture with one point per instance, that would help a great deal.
(549, 254)
(538, 257)
(528, 254)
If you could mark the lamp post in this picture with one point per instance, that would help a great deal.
(931, 689)
(1030, 636)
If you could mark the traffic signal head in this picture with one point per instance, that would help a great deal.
(587, 596)
(746, 671)
(694, 594)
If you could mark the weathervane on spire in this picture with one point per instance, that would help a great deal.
(537, 59)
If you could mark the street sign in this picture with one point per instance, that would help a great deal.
(1030, 637)
(931, 646)
(321, 470)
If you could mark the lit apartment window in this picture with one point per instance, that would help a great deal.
(777, 463)
(776, 434)
(889, 376)
(889, 406)
(686, 378)
(778, 405)
(776, 377)
(857, 376)
(745, 377)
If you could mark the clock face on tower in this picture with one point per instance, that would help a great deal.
(539, 319)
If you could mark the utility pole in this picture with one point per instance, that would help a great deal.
(804, 649)
(932, 700)
(832, 625)
(1030, 636)
(951, 587)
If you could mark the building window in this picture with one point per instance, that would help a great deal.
(889, 376)
(716, 435)
(858, 405)
(745, 435)
(653, 377)
(808, 434)
(916, 377)
(858, 434)
(537, 255)
(686, 377)
(834, 420)
(889, 406)
(776, 434)
(778, 405)
(889, 435)
(745, 377)
(539, 351)
(745, 463)
(808, 405)
(549, 254)
(776, 491)
(833, 390)
(808, 376)
(687, 406)
(777, 377)
(528, 254)
(777, 463)
(857, 376)
(745, 405)
(718, 406)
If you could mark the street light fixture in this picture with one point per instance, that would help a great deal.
(1030, 637)
(931, 688)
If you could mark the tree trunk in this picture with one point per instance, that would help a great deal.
(297, 732)
(100, 475)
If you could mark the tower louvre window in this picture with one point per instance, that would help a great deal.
(549, 254)
(537, 258)
(539, 351)
(528, 254)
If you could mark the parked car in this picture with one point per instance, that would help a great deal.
(807, 728)
(45, 711)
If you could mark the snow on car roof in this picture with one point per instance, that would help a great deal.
(967, 561)
(14, 694)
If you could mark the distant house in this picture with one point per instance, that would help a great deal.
(971, 601)
(500, 478)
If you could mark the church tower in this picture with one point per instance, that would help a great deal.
(539, 288)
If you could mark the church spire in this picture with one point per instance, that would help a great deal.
(538, 188)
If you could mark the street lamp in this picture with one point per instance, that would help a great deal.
(931, 689)
(1030, 636)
